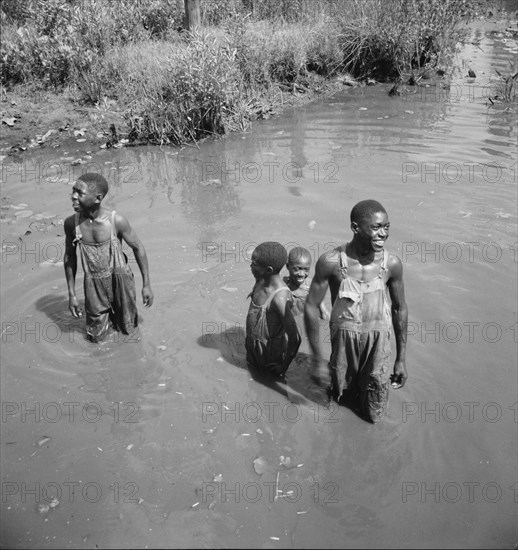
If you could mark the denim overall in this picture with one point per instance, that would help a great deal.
(266, 341)
(361, 327)
(109, 286)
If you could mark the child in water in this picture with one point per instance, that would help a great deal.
(272, 337)
(369, 312)
(299, 282)
(109, 284)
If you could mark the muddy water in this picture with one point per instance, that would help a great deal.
(152, 443)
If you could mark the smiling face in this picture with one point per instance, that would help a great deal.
(299, 269)
(372, 231)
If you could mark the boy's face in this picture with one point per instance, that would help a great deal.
(299, 269)
(373, 230)
(83, 198)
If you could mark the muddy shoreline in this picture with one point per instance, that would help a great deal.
(38, 120)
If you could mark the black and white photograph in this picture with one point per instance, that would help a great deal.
(259, 274)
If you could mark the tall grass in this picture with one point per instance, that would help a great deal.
(174, 87)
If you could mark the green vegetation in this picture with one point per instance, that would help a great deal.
(246, 58)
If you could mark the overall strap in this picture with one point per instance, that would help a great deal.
(113, 232)
(343, 261)
(384, 262)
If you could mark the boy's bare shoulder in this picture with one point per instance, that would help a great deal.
(121, 222)
(394, 265)
(70, 224)
(281, 298)
(328, 262)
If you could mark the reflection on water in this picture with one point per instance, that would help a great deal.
(168, 428)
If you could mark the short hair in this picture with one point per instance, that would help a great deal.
(365, 209)
(297, 254)
(271, 254)
(95, 182)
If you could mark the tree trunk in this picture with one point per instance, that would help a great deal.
(192, 14)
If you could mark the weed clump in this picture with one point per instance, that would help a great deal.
(242, 63)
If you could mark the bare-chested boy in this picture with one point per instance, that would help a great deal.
(109, 286)
(272, 337)
(359, 274)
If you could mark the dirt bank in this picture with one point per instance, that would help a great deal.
(46, 119)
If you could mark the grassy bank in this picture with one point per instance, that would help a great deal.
(246, 59)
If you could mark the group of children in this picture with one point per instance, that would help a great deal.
(366, 285)
(369, 310)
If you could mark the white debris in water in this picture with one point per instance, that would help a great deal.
(53, 503)
(23, 213)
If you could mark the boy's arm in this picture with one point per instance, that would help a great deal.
(324, 313)
(70, 263)
(399, 319)
(283, 304)
(317, 292)
(126, 232)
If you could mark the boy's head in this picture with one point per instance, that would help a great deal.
(88, 192)
(370, 224)
(268, 258)
(299, 262)
(365, 209)
(96, 183)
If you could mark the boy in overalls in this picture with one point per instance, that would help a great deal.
(272, 338)
(109, 285)
(363, 320)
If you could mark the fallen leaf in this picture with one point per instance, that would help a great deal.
(260, 465)
(285, 461)
(53, 503)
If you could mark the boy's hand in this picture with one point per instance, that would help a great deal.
(277, 368)
(320, 372)
(73, 306)
(400, 375)
(147, 296)
(324, 314)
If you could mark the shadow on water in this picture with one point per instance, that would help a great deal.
(299, 387)
(55, 307)
(118, 367)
